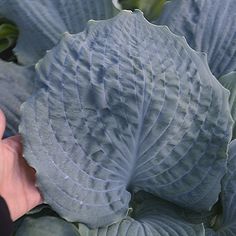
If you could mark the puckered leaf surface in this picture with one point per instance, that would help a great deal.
(225, 224)
(152, 217)
(209, 26)
(46, 226)
(42, 22)
(229, 82)
(125, 106)
(16, 85)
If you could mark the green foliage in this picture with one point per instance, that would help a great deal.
(151, 8)
(8, 37)
(8, 34)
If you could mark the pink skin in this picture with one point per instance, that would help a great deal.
(17, 178)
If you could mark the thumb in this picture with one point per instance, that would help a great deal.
(2, 123)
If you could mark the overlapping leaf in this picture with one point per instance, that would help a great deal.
(152, 217)
(46, 226)
(225, 224)
(16, 85)
(209, 26)
(42, 22)
(125, 106)
(229, 82)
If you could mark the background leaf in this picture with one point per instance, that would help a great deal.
(151, 217)
(42, 23)
(16, 85)
(229, 82)
(37, 212)
(225, 224)
(125, 106)
(46, 226)
(208, 26)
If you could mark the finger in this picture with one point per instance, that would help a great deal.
(14, 144)
(2, 123)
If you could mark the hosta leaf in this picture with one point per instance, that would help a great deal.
(153, 217)
(225, 224)
(42, 22)
(209, 26)
(229, 82)
(37, 212)
(125, 106)
(46, 226)
(40, 209)
(16, 85)
(210, 232)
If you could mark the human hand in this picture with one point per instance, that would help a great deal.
(17, 178)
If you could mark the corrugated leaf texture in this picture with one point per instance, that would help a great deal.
(209, 26)
(125, 106)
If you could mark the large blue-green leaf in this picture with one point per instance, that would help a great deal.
(42, 22)
(125, 106)
(152, 217)
(16, 85)
(46, 226)
(229, 82)
(225, 224)
(209, 26)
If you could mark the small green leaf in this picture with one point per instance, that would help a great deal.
(8, 30)
(151, 8)
(8, 35)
